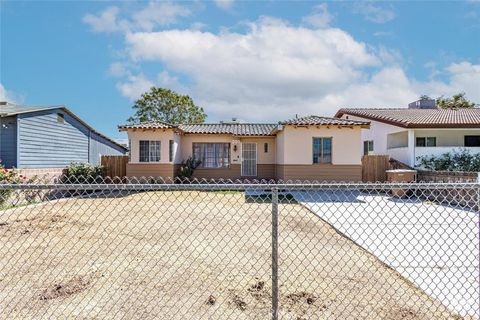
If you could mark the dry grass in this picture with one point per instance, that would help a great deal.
(190, 255)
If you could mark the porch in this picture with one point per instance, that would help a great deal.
(408, 145)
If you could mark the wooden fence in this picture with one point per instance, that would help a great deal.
(115, 166)
(374, 168)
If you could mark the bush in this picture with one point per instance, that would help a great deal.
(84, 173)
(462, 160)
(187, 167)
(8, 176)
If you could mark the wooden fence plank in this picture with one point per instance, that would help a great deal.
(115, 166)
(374, 168)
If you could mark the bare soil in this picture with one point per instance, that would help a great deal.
(190, 255)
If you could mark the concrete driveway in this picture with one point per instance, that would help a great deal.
(436, 247)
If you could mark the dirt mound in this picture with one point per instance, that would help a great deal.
(64, 289)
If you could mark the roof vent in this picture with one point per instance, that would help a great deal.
(232, 121)
(423, 104)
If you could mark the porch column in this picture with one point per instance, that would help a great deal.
(411, 147)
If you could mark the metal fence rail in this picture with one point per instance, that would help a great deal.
(159, 249)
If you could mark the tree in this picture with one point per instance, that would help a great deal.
(165, 105)
(425, 97)
(457, 101)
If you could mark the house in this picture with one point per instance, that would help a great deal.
(308, 148)
(49, 138)
(419, 130)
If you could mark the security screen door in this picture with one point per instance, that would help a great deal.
(249, 159)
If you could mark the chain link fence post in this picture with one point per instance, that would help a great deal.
(478, 191)
(274, 253)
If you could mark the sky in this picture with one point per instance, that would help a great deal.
(256, 61)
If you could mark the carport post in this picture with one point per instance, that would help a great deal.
(274, 253)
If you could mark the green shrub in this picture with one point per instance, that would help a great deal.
(8, 176)
(187, 167)
(461, 160)
(78, 172)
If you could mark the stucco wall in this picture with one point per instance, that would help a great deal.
(378, 133)
(186, 146)
(297, 144)
(164, 136)
(447, 137)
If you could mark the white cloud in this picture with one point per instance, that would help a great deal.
(320, 18)
(224, 4)
(274, 70)
(138, 84)
(135, 86)
(106, 21)
(159, 13)
(117, 69)
(146, 19)
(373, 13)
(461, 77)
(9, 96)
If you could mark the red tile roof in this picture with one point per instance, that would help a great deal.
(419, 118)
(238, 129)
(316, 120)
(148, 125)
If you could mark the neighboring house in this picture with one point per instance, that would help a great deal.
(421, 129)
(309, 148)
(49, 137)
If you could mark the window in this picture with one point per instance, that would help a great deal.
(426, 142)
(322, 150)
(170, 150)
(265, 147)
(472, 141)
(212, 155)
(149, 151)
(60, 118)
(367, 147)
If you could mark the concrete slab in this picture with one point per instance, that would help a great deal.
(436, 247)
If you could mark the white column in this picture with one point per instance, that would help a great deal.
(411, 147)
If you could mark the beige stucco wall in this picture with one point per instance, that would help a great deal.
(164, 136)
(187, 141)
(297, 146)
(262, 156)
(289, 153)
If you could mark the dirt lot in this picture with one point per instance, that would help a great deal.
(190, 255)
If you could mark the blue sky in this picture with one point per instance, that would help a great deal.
(258, 61)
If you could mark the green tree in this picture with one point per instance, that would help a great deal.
(165, 105)
(457, 101)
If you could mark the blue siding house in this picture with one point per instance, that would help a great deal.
(49, 137)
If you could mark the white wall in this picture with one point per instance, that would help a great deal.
(397, 140)
(378, 133)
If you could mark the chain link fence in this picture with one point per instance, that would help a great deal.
(154, 249)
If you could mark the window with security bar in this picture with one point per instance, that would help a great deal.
(212, 155)
(149, 151)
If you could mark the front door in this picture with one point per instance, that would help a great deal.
(249, 159)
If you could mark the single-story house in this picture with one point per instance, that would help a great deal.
(308, 148)
(419, 130)
(33, 138)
